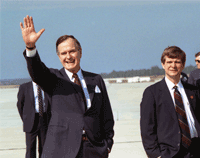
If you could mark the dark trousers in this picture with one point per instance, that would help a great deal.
(39, 130)
(88, 151)
(192, 152)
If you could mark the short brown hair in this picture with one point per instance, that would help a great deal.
(64, 38)
(173, 52)
(197, 54)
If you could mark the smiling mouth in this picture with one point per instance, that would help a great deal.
(69, 62)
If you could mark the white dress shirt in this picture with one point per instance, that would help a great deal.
(36, 98)
(190, 118)
(31, 53)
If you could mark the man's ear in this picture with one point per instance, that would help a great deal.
(183, 65)
(162, 65)
(80, 50)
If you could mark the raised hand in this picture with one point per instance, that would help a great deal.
(29, 35)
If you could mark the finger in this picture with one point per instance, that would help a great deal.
(40, 33)
(31, 22)
(21, 26)
(25, 23)
(28, 21)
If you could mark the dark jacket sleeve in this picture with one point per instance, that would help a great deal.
(148, 124)
(40, 74)
(107, 117)
(20, 101)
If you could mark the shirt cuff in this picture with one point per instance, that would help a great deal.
(31, 53)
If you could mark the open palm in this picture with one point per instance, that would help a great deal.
(29, 35)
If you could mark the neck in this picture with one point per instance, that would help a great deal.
(75, 71)
(174, 79)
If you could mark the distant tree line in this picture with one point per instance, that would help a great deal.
(18, 81)
(153, 71)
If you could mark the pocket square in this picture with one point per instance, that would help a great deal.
(97, 90)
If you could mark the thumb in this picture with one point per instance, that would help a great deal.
(40, 32)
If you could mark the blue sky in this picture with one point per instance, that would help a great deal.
(114, 35)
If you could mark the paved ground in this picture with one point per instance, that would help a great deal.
(125, 101)
(127, 141)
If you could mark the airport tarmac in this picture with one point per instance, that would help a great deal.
(125, 100)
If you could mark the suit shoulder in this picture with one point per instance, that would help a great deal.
(154, 86)
(91, 74)
(52, 70)
(25, 84)
(195, 72)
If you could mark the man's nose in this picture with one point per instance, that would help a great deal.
(173, 64)
(68, 55)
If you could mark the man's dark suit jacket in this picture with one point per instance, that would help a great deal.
(194, 77)
(26, 106)
(159, 123)
(65, 130)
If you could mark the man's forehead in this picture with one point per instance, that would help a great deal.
(68, 42)
(198, 57)
(172, 59)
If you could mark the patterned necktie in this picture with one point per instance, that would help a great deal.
(182, 119)
(40, 100)
(77, 81)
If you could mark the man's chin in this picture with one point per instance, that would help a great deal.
(174, 76)
(69, 68)
(73, 70)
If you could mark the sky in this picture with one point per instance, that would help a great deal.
(114, 35)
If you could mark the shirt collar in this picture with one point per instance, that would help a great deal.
(171, 85)
(34, 84)
(69, 74)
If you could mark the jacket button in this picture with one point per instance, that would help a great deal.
(178, 144)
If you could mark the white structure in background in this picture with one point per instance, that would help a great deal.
(145, 79)
(128, 80)
(119, 80)
(133, 79)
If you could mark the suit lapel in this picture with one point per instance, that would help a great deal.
(90, 84)
(46, 101)
(64, 74)
(191, 97)
(76, 87)
(31, 94)
(167, 99)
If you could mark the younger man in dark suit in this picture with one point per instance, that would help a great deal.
(169, 112)
(34, 109)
